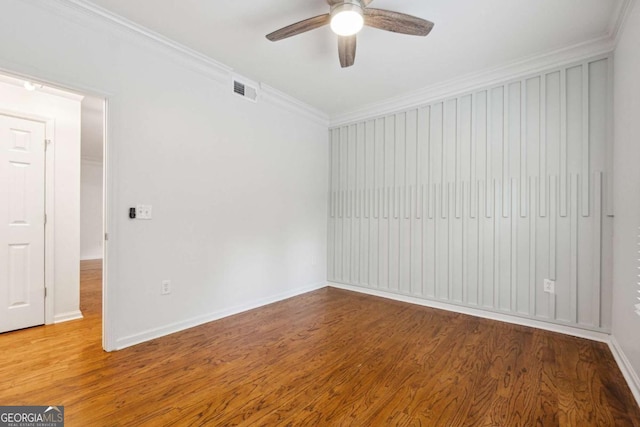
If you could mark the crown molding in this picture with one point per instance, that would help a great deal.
(276, 97)
(196, 61)
(83, 9)
(468, 83)
(617, 24)
(86, 13)
(510, 71)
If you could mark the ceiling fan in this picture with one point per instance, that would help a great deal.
(347, 17)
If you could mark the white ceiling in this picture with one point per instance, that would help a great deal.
(469, 36)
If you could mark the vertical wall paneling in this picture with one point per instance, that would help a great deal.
(552, 127)
(596, 248)
(586, 150)
(553, 240)
(514, 252)
(331, 207)
(508, 119)
(563, 95)
(575, 205)
(542, 152)
(476, 199)
(356, 218)
(346, 230)
(609, 135)
(523, 150)
(474, 142)
(533, 265)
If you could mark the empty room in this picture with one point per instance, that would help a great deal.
(320, 213)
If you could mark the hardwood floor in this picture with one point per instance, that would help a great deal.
(330, 357)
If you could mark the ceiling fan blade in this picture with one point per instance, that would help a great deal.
(366, 3)
(397, 22)
(347, 50)
(300, 27)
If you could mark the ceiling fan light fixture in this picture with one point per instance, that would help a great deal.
(347, 19)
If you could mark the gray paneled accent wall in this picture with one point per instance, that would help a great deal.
(476, 199)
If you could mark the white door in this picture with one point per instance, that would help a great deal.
(21, 223)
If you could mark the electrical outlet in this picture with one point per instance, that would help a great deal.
(550, 286)
(166, 287)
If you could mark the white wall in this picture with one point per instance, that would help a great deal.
(476, 199)
(66, 179)
(91, 236)
(238, 189)
(626, 323)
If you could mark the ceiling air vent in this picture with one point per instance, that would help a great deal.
(245, 90)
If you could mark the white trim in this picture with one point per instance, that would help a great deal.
(281, 99)
(183, 55)
(629, 374)
(108, 150)
(562, 329)
(619, 19)
(625, 366)
(50, 226)
(516, 70)
(65, 317)
(216, 315)
(197, 60)
(109, 253)
(513, 70)
(194, 60)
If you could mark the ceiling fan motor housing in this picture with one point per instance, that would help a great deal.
(347, 5)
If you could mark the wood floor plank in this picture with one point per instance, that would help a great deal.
(329, 357)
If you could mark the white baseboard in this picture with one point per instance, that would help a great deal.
(562, 329)
(625, 366)
(65, 317)
(150, 334)
(628, 372)
(630, 375)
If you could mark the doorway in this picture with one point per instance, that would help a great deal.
(91, 205)
(51, 270)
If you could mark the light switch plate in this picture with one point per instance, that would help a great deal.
(143, 212)
(166, 287)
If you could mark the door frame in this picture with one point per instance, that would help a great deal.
(49, 227)
(108, 193)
